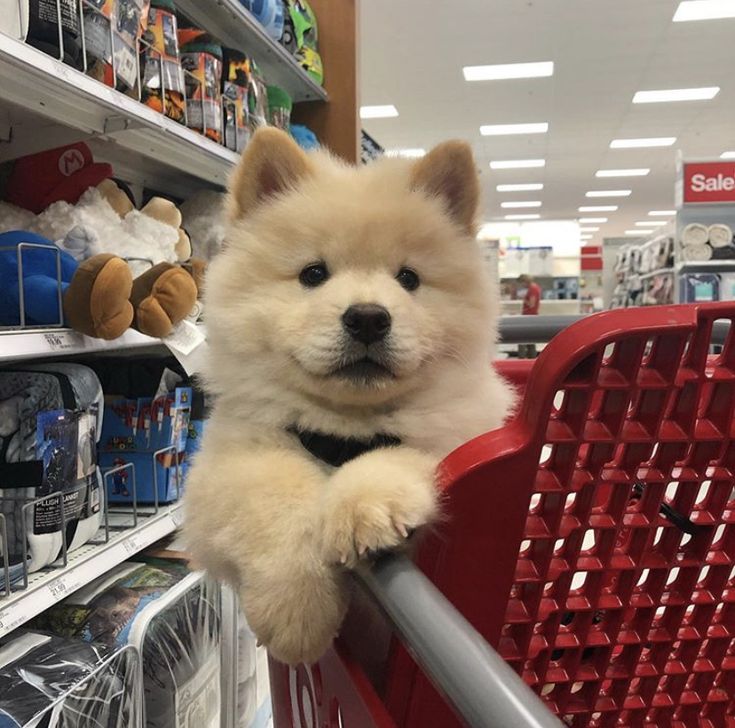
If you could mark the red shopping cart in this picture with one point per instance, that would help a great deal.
(591, 542)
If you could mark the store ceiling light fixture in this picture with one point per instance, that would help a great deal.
(641, 172)
(517, 163)
(525, 203)
(662, 213)
(609, 193)
(651, 223)
(588, 229)
(660, 96)
(639, 233)
(505, 71)
(598, 208)
(727, 155)
(510, 129)
(592, 219)
(704, 10)
(523, 217)
(529, 187)
(642, 143)
(586, 237)
(408, 153)
(384, 111)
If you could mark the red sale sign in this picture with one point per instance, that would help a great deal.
(709, 182)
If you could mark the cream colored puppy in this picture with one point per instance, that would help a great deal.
(351, 330)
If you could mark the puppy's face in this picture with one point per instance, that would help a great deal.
(353, 285)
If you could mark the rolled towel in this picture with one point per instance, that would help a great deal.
(720, 236)
(727, 252)
(696, 253)
(694, 234)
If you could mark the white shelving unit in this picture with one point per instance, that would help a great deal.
(45, 103)
(235, 26)
(87, 563)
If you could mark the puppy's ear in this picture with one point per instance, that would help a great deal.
(271, 163)
(448, 172)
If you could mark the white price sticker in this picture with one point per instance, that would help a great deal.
(59, 341)
(177, 516)
(132, 545)
(185, 338)
(9, 621)
(58, 588)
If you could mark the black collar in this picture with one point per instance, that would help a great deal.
(337, 451)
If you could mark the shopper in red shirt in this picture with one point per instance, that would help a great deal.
(532, 297)
(531, 302)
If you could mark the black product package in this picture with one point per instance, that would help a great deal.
(43, 29)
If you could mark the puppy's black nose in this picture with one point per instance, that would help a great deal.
(366, 322)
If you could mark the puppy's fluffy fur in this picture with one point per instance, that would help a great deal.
(262, 513)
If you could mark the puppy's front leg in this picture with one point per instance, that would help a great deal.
(252, 519)
(376, 500)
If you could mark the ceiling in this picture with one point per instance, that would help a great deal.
(604, 51)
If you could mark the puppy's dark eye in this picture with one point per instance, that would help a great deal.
(408, 278)
(314, 275)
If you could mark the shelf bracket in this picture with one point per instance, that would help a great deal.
(19, 140)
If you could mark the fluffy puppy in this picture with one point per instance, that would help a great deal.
(351, 330)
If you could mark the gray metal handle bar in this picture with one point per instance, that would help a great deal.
(541, 329)
(475, 680)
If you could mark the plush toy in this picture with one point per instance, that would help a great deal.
(203, 217)
(63, 196)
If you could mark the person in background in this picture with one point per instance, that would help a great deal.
(531, 294)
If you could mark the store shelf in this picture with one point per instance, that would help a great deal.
(723, 264)
(85, 564)
(46, 343)
(658, 272)
(235, 26)
(46, 103)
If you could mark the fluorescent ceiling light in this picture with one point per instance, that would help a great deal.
(586, 237)
(378, 112)
(508, 129)
(588, 229)
(651, 223)
(662, 213)
(410, 153)
(592, 219)
(704, 10)
(534, 203)
(727, 155)
(676, 94)
(639, 233)
(522, 217)
(642, 143)
(622, 172)
(609, 193)
(530, 187)
(505, 71)
(517, 163)
(598, 208)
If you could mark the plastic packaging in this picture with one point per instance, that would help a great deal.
(43, 29)
(201, 59)
(257, 98)
(279, 107)
(163, 79)
(173, 617)
(235, 85)
(301, 38)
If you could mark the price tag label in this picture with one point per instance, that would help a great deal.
(185, 338)
(132, 545)
(59, 340)
(177, 516)
(58, 588)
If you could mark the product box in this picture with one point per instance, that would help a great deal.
(134, 430)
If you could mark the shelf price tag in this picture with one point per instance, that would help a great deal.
(58, 588)
(59, 340)
(177, 516)
(132, 544)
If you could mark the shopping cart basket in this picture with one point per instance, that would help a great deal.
(590, 541)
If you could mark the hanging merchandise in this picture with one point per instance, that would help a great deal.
(131, 17)
(53, 682)
(51, 417)
(163, 78)
(201, 59)
(99, 21)
(173, 617)
(235, 83)
(43, 29)
(269, 13)
(301, 38)
(257, 98)
(279, 108)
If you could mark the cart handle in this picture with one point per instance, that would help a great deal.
(542, 329)
(483, 689)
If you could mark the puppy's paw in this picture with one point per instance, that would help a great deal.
(375, 502)
(296, 619)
